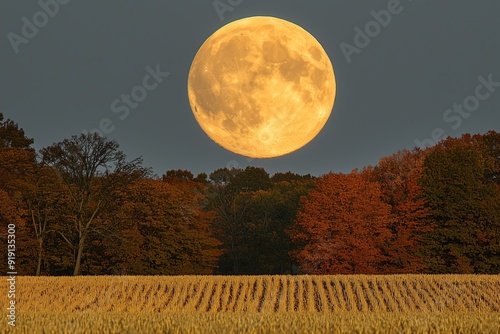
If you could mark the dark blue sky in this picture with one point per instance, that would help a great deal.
(398, 88)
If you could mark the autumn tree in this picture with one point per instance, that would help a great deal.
(170, 229)
(341, 226)
(17, 162)
(92, 170)
(17, 157)
(12, 136)
(46, 203)
(460, 186)
(398, 177)
(178, 175)
(10, 213)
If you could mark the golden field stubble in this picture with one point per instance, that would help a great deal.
(257, 304)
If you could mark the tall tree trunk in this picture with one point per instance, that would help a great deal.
(78, 261)
(40, 253)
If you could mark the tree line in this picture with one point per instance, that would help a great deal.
(80, 207)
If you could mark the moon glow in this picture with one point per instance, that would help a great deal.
(261, 87)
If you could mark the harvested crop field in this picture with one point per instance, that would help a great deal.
(258, 304)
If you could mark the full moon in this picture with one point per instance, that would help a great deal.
(261, 87)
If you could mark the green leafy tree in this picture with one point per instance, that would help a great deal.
(230, 211)
(230, 193)
(491, 140)
(463, 197)
(269, 215)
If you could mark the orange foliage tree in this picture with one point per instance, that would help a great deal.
(17, 162)
(165, 230)
(398, 177)
(341, 226)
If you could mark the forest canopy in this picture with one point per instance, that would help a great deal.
(81, 207)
